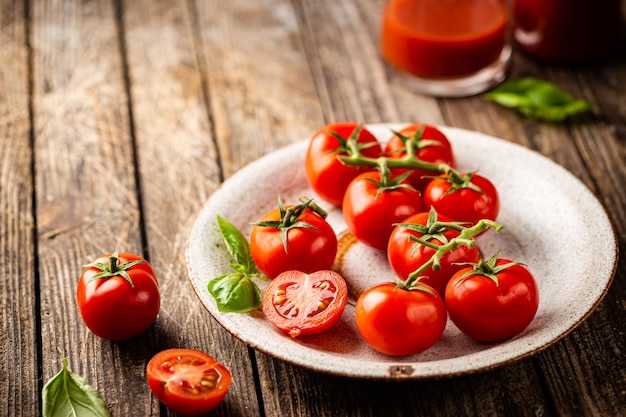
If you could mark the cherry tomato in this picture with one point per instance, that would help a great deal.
(118, 296)
(406, 255)
(431, 146)
(328, 177)
(304, 304)
(398, 321)
(492, 301)
(292, 237)
(371, 212)
(475, 199)
(189, 382)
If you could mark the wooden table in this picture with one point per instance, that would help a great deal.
(118, 119)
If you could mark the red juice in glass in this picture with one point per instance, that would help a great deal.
(445, 40)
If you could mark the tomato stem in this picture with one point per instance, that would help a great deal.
(465, 238)
(410, 160)
(113, 268)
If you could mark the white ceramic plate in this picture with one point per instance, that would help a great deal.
(552, 223)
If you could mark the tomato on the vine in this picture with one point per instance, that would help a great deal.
(431, 145)
(400, 321)
(293, 237)
(371, 208)
(406, 255)
(326, 174)
(305, 304)
(118, 296)
(189, 382)
(493, 300)
(465, 198)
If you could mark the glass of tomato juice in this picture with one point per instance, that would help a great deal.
(448, 48)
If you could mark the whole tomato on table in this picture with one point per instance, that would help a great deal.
(293, 237)
(429, 145)
(118, 296)
(373, 203)
(189, 382)
(463, 197)
(405, 254)
(400, 320)
(493, 300)
(326, 174)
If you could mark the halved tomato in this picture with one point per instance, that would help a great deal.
(303, 304)
(189, 382)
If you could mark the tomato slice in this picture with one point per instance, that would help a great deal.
(304, 304)
(189, 382)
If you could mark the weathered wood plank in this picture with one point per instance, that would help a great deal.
(18, 284)
(85, 190)
(261, 93)
(179, 169)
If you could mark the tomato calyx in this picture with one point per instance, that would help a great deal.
(459, 181)
(114, 268)
(465, 238)
(433, 229)
(350, 144)
(488, 269)
(415, 142)
(290, 218)
(387, 183)
(410, 160)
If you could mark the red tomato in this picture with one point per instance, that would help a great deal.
(406, 255)
(432, 146)
(328, 176)
(469, 202)
(118, 296)
(304, 304)
(397, 321)
(370, 213)
(310, 242)
(189, 382)
(495, 304)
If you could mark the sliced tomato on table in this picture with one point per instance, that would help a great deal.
(189, 382)
(304, 304)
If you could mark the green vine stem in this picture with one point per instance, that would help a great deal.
(465, 238)
(409, 160)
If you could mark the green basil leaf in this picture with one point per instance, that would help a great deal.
(67, 394)
(238, 246)
(235, 293)
(538, 99)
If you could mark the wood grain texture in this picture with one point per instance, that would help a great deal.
(179, 169)
(86, 193)
(261, 93)
(18, 281)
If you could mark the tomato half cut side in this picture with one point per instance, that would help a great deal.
(304, 304)
(189, 382)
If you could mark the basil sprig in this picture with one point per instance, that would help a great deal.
(236, 292)
(538, 99)
(68, 394)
